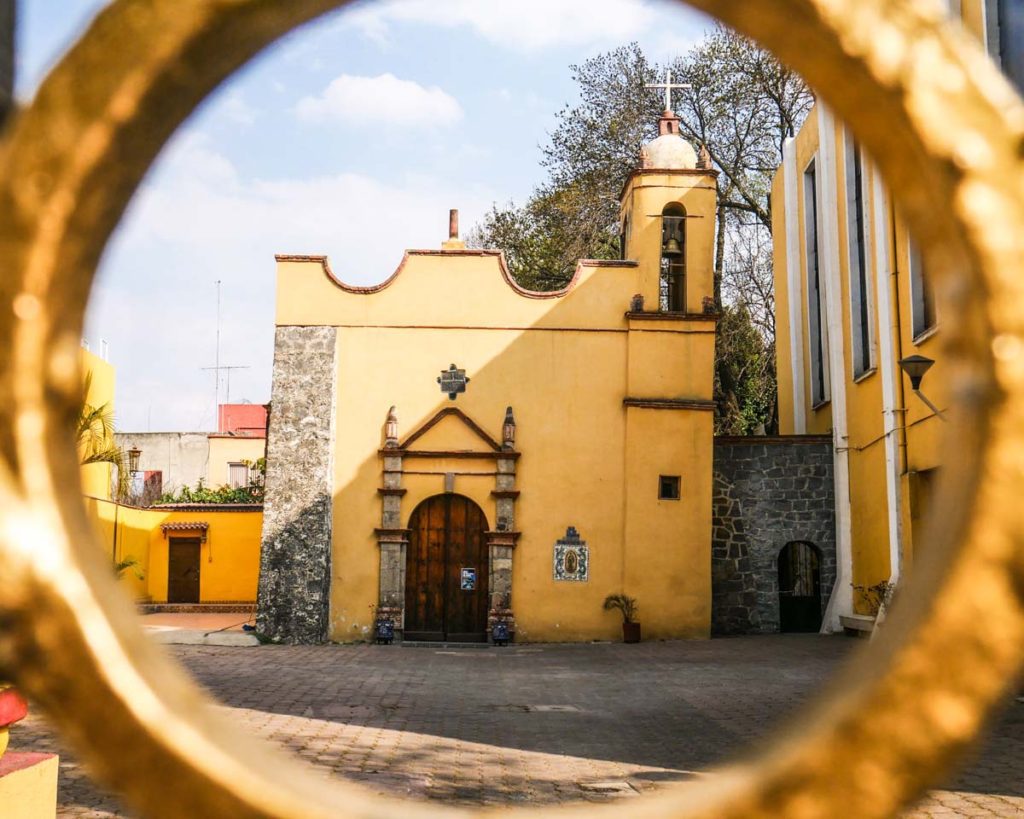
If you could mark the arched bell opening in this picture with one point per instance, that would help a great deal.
(672, 292)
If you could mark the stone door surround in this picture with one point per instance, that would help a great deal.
(393, 536)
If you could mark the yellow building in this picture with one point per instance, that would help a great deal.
(455, 451)
(191, 554)
(853, 299)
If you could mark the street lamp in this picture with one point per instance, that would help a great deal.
(133, 459)
(915, 366)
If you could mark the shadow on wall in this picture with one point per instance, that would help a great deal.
(585, 416)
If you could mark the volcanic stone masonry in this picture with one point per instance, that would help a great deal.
(768, 492)
(293, 601)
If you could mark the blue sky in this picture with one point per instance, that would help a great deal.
(352, 138)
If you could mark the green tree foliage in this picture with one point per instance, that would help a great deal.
(745, 390)
(742, 105)
(250, 493)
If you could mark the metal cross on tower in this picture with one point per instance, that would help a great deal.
(669, 87)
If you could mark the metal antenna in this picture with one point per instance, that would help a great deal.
(217, 367)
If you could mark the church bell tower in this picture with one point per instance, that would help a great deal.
(667, 223)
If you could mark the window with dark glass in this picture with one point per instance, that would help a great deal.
(922, 299)
(668, 487)
(672, 295)
(860, 282)
(622, 238)
(1010, 34)
(815, 291)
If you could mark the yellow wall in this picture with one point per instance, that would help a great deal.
(96, 478)
(229, 560)
(225, 450)
(919, 437)
(646, 196)
(565, 363)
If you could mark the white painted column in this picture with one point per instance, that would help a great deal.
(887, 368)
(791, 184)
(841, 600)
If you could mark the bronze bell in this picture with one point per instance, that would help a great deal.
(672, 247)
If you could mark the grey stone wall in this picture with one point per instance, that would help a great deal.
(293, 601)
(767, 492)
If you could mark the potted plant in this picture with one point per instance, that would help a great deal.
(629, 607)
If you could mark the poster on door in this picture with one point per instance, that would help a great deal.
(468, 579)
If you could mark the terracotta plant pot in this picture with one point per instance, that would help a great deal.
(631, 632)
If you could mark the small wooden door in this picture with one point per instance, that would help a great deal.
(183, 570)
(446, 571)
(799, 588)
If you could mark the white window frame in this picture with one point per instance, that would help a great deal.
(244, 466)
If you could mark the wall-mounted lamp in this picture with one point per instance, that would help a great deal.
(915, 366)
(133, 459)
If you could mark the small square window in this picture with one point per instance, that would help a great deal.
(668, 487)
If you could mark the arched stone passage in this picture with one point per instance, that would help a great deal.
(800, 603)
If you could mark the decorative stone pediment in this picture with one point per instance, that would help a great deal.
(451, 430)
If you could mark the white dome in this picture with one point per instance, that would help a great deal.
(669, 152)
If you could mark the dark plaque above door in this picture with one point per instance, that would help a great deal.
(453, 381)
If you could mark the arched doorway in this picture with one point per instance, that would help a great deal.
(446, 571)
(799, 587)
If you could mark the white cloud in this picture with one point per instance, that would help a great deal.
(236, 109)
(199, 220)
(381, 99)
(523, 25)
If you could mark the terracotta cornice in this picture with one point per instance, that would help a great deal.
(205, 507)
(502, 538)
(644, 315)
(667, 172)
(325, 265)
(670, 404)
(771, 440)
(393, 535)
(455, 453)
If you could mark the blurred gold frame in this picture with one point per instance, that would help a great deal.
(947, 131)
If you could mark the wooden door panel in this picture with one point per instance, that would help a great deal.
(183, 570)
(446, 536)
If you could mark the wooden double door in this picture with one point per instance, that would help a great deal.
(446, 571)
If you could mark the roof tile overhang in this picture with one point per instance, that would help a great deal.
(186, 526)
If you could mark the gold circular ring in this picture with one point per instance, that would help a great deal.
(948, 133)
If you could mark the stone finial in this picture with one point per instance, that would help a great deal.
(454, 242)
(636, 304)
(704, 158)
(391, 430)
(708, 305)
(508, 430)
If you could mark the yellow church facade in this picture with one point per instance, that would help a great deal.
(854, 298)
(449, 450)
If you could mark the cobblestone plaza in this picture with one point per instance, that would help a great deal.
(535, 724)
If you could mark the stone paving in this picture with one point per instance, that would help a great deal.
(534, 724)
